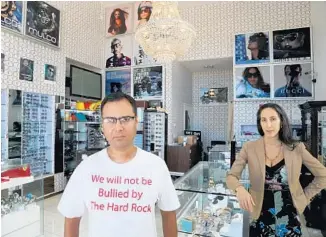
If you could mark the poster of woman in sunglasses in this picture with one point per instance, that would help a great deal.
(118, 20)
(292, 44)
(148, 82)
(50, 72)
(293, 80)
(143, 11)
(252, 48)
(252, 82)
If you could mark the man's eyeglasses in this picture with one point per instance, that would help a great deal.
(113, 120)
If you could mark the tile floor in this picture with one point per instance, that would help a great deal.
(54, 222)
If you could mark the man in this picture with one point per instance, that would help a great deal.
(292, 88)
(118, 59)
(120, 185)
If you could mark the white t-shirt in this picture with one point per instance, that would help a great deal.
(120, 198)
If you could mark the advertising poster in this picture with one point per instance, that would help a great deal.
(12, 15)
(213, 95)
(148, 82)
(292, 44)
(142, 13)
(252, 82)
(43, 22)
(120, 52)
(118, 20)
(293, 80)
(140, 58)
(252, 48)
(26, 69)
(50, 72)
(118, 81)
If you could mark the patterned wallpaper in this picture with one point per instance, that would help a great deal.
(245, 113)
(217, 23)
(82, 39)
(211, 120)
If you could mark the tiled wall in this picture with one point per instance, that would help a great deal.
(82, 38)
(211, 120)
(217, 23)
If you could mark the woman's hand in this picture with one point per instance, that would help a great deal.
(245, 199)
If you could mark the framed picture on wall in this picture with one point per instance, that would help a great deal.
(142, 13)
(50, 72)
(43, 22)
(249, 130)
(292, 44)
(296, 131)
(12, 15)
(26, 69)
(252, 48)
(118, 20)
(293, 80)
(2, 62)
(140, 58)
(148, 83)
(210, 96)
(119, 80)
(120, 52)
(252, 82)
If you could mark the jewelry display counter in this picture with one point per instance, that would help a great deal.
(208, 208)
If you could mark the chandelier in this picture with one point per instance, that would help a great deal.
(165, 36)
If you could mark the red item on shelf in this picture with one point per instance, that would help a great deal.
(22, 171)
(5, 179)
(87, 104)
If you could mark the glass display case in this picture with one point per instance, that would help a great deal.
(37, 132)
(22, 205)
(4, 122)
(82, 135)
(208, 207)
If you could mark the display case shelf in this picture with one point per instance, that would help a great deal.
(22, 209)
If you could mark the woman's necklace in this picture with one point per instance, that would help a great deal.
(278, 154)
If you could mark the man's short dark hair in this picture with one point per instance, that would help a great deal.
(118, 96)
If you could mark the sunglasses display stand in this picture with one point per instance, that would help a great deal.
(208, 208)
(27, 160)
(155, 133)
(82, 135)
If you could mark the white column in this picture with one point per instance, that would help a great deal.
(318, 20)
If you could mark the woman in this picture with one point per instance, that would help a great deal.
(276, 198)
(144, 12)
(258, 46)
(252, 85)
(118, 22)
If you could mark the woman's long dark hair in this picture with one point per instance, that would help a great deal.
(285, 133)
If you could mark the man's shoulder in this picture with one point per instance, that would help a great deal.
(94, 159)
